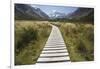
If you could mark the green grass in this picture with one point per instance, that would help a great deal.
(30, 38)
(79, 39)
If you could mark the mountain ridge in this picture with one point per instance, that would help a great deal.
(25, 11)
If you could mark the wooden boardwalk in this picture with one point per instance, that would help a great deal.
(55, 49)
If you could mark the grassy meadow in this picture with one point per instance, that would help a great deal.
(79, 39)
(30, 38)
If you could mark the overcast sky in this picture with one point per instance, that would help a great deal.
(50, 9)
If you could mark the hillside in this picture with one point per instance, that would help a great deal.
(26, 12)
(83, 14)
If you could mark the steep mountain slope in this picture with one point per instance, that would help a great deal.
(83, 14)
(24, 11)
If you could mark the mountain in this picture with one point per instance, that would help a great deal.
(85, 14)
(57, 15)
(25, 11)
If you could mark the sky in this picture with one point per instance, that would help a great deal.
(51, 9)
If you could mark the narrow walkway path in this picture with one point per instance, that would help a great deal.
(55, 49)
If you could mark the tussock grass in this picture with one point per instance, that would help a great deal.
(30, 38)
(79, 39)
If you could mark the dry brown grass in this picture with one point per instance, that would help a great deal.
(79, 39)
(30, 38)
